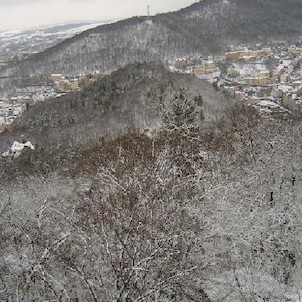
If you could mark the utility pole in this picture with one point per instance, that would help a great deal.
(148, 11)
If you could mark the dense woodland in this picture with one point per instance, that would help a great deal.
(149, 186)
(190, 210)
(179, 215)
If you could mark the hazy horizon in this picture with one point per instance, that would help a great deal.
(24, 14)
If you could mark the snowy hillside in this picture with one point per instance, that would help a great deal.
(36, 40)
(204, 28)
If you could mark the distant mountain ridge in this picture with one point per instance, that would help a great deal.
(206, 27)
(38, 39)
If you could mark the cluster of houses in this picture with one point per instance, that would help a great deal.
(11, 106)
(9, 112)
(268, 79)
(27, 95)
(5, 59)
(203, 68)
(64, 84)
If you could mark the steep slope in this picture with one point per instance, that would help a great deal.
(206, 27)
(131, 97)
(218, 215)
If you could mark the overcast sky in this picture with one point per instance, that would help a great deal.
(15, 14)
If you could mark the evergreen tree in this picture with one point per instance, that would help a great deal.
(183, 112)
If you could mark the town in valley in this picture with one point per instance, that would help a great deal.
(267, 78)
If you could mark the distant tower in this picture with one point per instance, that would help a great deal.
(148, 11)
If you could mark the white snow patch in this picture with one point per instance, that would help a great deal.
(17, 148)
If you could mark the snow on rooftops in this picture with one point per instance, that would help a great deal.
(287, 63)
(17, 149)
(268, 105)
(285, 88)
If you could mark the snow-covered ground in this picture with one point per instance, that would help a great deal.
(17, 149)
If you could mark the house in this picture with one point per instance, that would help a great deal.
(56, 77)
(205, 67)
(268, 105)
(247, 55)
(21, 56)
(293, 49)
(261, 80)
(181, 64)
(67, 85)
(3, 60)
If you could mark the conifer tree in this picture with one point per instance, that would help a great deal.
(183, 112)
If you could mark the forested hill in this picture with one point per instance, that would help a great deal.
(132, 97)
(208, 26)
(176, 215)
